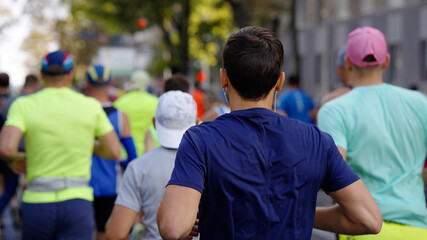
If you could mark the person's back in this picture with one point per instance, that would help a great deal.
(150, 173)
(382, 131)
(59, 127)
(296, 103)
(268, 185)
(386, 130)
(105, 174)
(57, 131)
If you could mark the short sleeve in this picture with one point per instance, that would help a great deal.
(330, 120)
(103, 125)
(16, 116)
(128, 194)
(338, 173)
(190, 169)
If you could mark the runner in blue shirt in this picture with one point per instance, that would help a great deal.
(254, 174)
(296, 103)
(105, 173)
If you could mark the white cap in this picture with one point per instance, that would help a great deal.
(140, 80)
(176, 112)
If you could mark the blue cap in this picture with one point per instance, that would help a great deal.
(98, 75)
(341, 56)
(58, 58)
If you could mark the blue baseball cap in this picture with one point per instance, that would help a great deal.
(98, 75)
(58, 58)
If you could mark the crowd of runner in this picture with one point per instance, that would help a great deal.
(246, 165)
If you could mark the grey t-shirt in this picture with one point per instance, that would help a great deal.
(143, 186)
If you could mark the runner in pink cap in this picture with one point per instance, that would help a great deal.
(365, 42)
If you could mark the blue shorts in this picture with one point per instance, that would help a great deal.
(72, 219)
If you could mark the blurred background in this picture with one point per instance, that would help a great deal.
(164, 36)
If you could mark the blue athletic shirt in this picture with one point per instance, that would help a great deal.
(297, 105)
(105, 173)
(259, 174)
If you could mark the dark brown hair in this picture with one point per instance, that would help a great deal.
(253, 59)
(177, 82)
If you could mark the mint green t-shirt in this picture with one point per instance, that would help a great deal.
(384, 131)
(59, 127)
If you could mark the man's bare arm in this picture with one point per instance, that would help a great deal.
(356, 212)
(343, 152)
(177, 212)
(9, 141)
(108, 146)
(120, 223)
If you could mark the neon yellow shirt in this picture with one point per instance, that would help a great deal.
(140, 107)
(59, 126)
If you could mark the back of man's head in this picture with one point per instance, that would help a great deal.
(253, 59)
(366, 47)
(57, 63)
(98, 76)
(176, 112)
(177, 82)
(4, 80)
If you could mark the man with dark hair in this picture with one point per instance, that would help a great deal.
(4, 87)
(255, 174)
(381, 130)
(60, 127)
(177, 82)
(295, 103)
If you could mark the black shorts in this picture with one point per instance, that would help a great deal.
(103, 207)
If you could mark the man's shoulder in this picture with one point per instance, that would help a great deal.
(158, 155)
(408, 93)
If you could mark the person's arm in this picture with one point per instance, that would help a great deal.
(343, 152)
(120, 222)
(177, 212)
(356, 212)
(9, 141)
(108, 146)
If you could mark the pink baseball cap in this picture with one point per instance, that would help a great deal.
(366, 41)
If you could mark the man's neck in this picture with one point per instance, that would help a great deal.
(239, 103)
(371, 79)
(99, 94)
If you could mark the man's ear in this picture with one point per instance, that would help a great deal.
(386, 63)
(280, 82)
(224, 77)
(348, 65)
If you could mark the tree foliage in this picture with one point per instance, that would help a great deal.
(191, 29)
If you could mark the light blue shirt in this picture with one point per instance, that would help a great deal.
(384, 131)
